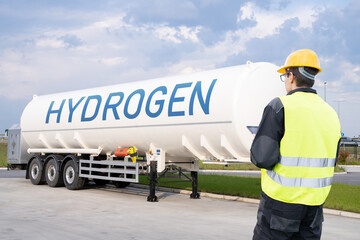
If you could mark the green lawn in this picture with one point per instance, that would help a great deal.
(228, 185)
(341, 197)
(246, 166)
(3, 154)
(344, 197)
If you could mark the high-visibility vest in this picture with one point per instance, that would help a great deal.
(307, 150)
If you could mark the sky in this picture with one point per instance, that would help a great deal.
(54, 46)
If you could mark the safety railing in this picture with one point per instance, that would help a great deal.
(351, 148)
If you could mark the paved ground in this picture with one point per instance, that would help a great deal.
(12, 173)
(41, 212)
(351, 178)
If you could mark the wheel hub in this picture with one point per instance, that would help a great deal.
(70, 175)
(35, 171)
(51, 173)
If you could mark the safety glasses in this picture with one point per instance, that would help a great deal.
(284, 76)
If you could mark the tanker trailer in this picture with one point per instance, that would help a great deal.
(115, 133)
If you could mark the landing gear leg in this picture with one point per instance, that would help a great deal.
(194, 178)
(153, 174)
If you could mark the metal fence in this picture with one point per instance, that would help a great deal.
(353, 148)
(3, 139)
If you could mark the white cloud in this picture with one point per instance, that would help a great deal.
(264, 24)
(167, 33)
(50, 43)
(111, 61)
(350, 72)
(246, 12)
(190, 33)
(112, 50)
(116, 48)
(269, 22)
(177, 34)
(111, 24)
(343, 85)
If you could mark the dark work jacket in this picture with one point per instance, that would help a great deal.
(265, 149)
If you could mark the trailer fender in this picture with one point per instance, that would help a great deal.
(58, 159)
(68, 158)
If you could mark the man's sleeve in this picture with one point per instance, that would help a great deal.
(337, 152)
(265, 150)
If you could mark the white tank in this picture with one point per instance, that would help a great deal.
(207, 115)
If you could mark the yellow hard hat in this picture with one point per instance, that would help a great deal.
(301, 58)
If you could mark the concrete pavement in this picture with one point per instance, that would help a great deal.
(351, 168)
(41, 212)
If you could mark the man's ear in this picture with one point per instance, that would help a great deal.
(292, 80)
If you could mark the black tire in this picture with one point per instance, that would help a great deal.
(53, 174)
(101, 181)
(119, 184)
(71, 177)
(36, 171)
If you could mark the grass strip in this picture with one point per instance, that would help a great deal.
(242, 166)
(246, 166)
(3, 154)
(342, 196)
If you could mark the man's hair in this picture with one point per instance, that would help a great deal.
(301, 80)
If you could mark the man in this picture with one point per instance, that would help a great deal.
(296, 147)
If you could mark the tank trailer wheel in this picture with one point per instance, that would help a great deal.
(71, 176)
(120, 184)
(35, 172)
(100, 181)
(53, 175)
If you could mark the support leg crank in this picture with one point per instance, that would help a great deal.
(153, 174)
(194, 178)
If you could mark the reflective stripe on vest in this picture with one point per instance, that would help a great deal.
(300, 182)
(307, 149)
(307, 162)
